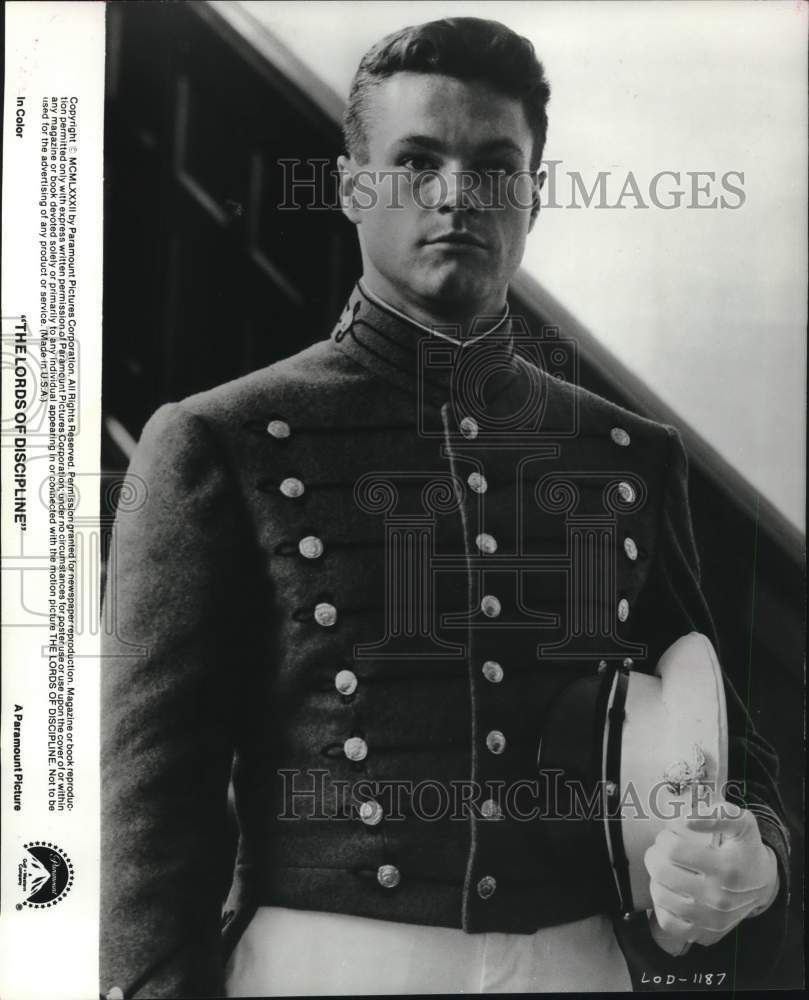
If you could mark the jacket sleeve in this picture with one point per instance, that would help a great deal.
(673, 606)
(171, 662)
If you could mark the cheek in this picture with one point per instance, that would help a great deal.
(519, 192)
(512, 229)
(378, 230)
(518, 233)
(389, 232)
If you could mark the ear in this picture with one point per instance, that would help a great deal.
(348, 201)
(539, 180)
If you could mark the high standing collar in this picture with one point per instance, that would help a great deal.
(441, 332)
(412, 357)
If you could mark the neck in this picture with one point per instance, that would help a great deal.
(458, 321)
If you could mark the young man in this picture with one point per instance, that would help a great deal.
(351, 583)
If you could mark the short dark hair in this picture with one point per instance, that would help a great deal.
(467, 48)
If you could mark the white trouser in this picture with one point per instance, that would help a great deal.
(307, 952)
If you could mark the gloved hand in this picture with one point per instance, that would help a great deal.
(707, 874)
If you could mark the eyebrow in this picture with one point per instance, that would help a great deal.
(430, 142)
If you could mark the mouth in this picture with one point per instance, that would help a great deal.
(460, 239)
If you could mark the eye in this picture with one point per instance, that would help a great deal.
(496, 168)
(418, 162)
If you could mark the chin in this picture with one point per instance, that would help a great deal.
(456, 286)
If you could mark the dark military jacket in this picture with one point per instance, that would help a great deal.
(348, 587)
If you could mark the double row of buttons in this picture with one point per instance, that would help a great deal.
(355, 748)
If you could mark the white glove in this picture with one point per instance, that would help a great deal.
(707, 874)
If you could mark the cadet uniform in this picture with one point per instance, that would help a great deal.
(379, 560)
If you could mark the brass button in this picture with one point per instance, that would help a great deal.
(487, 887)
(292, 487)
(310, 547)
(492, 671)
(355, 748)
(477, 482)
(626, 492)
(346, 681)
(623, 609)
(371, 812)
(325, 614)
(388, 876)
(278, 429)
(490, 606)
(491, 810)
(486, 543)
(620, 436)
(631, 549)
(469, 428)
(496, 741)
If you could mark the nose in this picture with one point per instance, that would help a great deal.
(457, 190)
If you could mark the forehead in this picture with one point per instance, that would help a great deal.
(462, 114)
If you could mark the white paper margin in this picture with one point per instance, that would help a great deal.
(52, 50)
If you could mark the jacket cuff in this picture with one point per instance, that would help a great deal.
(774, 834)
